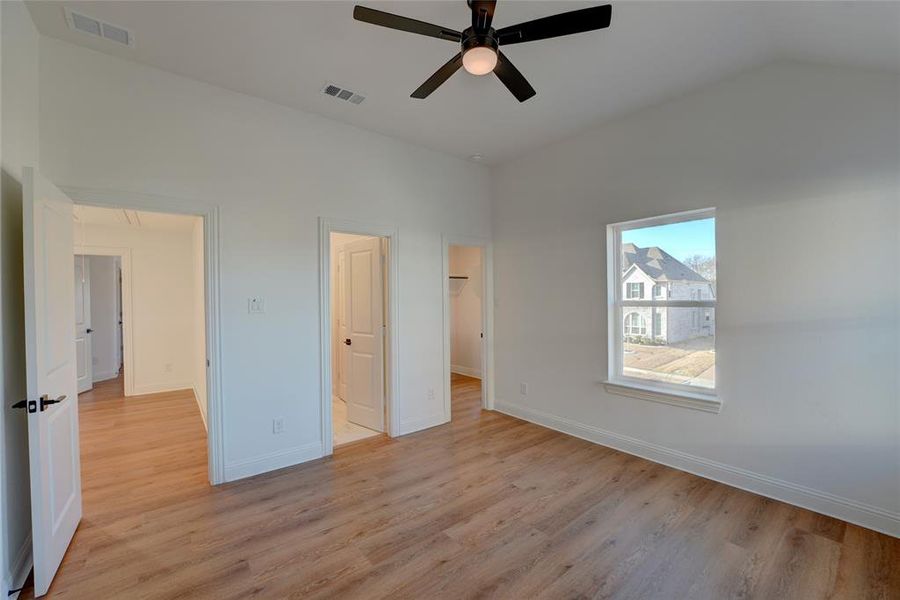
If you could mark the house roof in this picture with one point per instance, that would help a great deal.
(658, 264)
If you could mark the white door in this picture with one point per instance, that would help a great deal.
(51, 365)
(364, 311)
(343, 350)
(84, 364)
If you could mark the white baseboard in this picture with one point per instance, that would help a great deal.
(19, 570)
(865, 515)
(157, 388)
(415, 425)
(104, 376)
(467, 371)
(200, 408)
(273, 461)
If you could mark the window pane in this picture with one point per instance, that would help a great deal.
(679, 346)
(675, 261)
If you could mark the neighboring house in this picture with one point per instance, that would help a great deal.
(654, 274)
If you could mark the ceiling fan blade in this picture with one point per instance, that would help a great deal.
(576, 21)
(439, 77)
(514, 81)
(391, 21)
(482, 14)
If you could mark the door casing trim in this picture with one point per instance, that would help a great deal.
(215, 405)
(327, 226)
(487, 317)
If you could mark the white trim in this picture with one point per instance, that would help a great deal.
(158, 388)
(327, 226)
(417, 425)
(697, 401)
(859, 513)
(272, 461)
(668, 303)
(467, 371)
(487, 317)
(19, 570)
(124, 255)
(679, 217)
(215, 402)
(104, 376)
(199, 408)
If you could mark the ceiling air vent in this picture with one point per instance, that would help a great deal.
(329, 89)
(89, 25)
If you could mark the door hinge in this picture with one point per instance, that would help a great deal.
(207, 363)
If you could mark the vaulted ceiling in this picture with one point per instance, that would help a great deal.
(286, 51)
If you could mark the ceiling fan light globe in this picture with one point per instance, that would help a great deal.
(480, 60)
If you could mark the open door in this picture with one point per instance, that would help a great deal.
(343, 351)
(52, 402)
(83, 352)
(364, 311)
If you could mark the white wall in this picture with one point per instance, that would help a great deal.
(110, 124)
(198, 294)
(104, 317)
(802, 163)
(162, 303)
(465, 312)
(19, 127)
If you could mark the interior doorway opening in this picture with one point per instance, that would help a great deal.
(140, 334)
(359, 284)
(98, 319)
(466, 296)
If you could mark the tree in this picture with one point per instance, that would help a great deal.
(705, 266)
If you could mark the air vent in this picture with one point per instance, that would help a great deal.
(329, 89)
(91, 26)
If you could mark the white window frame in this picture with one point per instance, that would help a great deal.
(617, 382)
(642, 324)
(640, 287)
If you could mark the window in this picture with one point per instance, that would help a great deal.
(634, 290)
(635, 324)
(676, 362)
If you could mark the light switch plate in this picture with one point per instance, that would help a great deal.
(256, 305)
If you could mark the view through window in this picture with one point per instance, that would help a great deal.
(666, 337)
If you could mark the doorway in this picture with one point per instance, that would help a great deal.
(387, 238)
(98, 319)
(359, 281)
(465, 330)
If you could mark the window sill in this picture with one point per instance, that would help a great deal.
(696, 401)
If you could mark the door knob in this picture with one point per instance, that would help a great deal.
(348, 341)
(45, 401)
(89, 331)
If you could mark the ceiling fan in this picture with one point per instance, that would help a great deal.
(480, 44)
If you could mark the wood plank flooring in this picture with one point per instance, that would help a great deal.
(486, 506)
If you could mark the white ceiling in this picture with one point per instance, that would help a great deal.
(96, 215)
(285, 52)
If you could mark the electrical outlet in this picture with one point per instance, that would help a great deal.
(523, 389)
(256, 305)
(168, 367)
(430, 393)
(278, 425)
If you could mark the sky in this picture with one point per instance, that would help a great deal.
(681, 240)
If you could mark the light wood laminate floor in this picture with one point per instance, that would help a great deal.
(486, 506)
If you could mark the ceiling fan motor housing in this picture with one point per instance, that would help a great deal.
(474, 39)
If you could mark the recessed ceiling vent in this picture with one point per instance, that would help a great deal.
(92, 26)
(341, 94)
